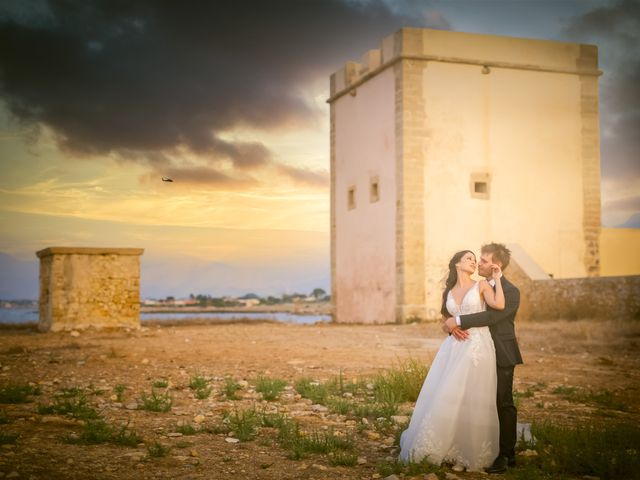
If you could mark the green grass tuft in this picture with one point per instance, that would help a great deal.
(609, 452)
(230, 388)
(344, 459)
(158, 450)
(186, 429)
(72, 402)
(13, 393)
(98, 431)
(160, 383)
(244, 423)
(270, 388)
(119, 391)
(155, 402)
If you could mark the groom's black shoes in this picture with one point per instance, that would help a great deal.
(501, 463)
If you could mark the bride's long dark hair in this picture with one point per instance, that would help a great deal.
(452, 278)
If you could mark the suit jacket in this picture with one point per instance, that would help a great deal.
(501, 325)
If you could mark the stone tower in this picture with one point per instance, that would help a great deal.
(442, 141)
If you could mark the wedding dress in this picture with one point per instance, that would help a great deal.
(455, 418)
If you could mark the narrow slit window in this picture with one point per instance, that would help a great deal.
(351, 198)
(374, 191)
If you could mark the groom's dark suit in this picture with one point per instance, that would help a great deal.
(501, 325)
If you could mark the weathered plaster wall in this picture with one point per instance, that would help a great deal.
(89, 287)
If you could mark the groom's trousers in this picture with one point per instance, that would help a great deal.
(507, 413)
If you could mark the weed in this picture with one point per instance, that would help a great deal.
(399, 467)
(244, 423)
(603, 398)
(404, 381)
(18, 393)
(203, 393)
(230, 388)
(156, 402)
(183, 444)
(273, 420)
(218, 429)
(72, 402)
(270, 388)
(158, 450)
(186, 429)
(8, 438)
(4, 419)
(370, 409)
(98, 431)
(345, 459)
(339, 405)
(119, 391)
(563, 390)
(606, 452)
(160, 383)
(198, 382)
(315, 391)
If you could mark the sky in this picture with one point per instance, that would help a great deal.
(100, 99)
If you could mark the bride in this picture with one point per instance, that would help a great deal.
(455, 419)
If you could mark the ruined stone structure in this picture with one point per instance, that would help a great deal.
(442, 141)
(83, 287)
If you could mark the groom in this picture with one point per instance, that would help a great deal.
(501, 325)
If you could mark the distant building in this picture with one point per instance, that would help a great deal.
(442, 141)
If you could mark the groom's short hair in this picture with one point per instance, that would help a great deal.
(500, 253)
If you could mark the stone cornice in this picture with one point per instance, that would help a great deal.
(462, 61)
(88, 251)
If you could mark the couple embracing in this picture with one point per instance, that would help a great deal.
(465, 413)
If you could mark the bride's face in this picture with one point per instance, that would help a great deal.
(467, 263)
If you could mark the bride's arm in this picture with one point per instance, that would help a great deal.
(494, 299)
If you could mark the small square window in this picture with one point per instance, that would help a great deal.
(351, 198)
(480, 185)
(374, 190)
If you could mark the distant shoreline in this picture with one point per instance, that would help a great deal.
(323, 308)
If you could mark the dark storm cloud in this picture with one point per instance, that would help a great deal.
(140, 79)
(616, 29)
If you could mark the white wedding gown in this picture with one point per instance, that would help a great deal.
(455, 418)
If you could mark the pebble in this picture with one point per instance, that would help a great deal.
(392, 477)
(373, 435)
(145, 361)
(70, 461)
(131, 406)
(399, 419)
(451, 476)
(231, 440)
(198, 418)
(319, 408)
(431, 476)
(13, 474)
(74, 333)
(174, 434)
(194, 453)
(320, 467)
(529, 453)
(362, 460)
(113, 398)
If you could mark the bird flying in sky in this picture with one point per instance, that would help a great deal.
(166, 179)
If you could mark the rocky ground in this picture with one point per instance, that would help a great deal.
(114, 369)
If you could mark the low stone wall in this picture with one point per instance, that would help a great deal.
(576, 298)
(89, 287)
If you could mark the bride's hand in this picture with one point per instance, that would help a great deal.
(496, 271)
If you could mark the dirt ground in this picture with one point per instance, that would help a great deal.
(591, 356)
